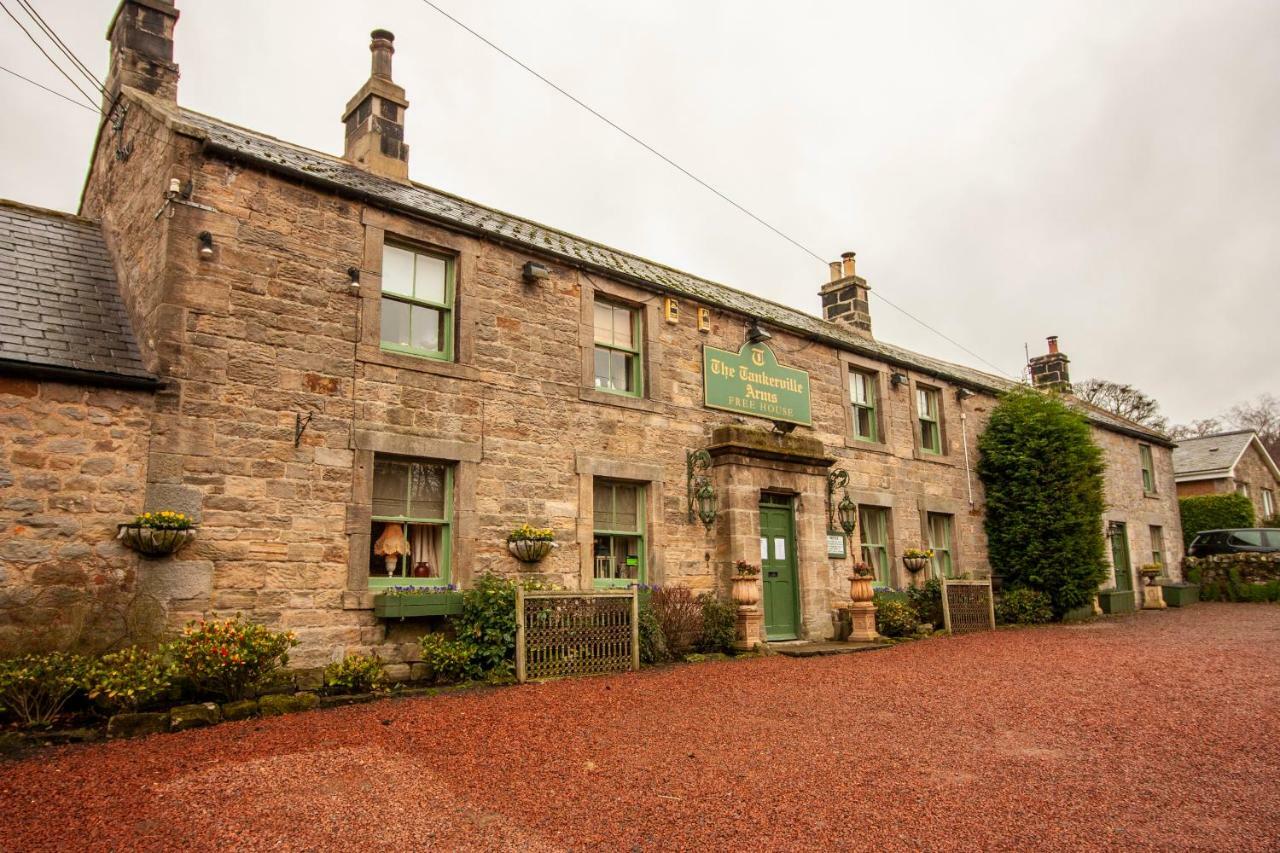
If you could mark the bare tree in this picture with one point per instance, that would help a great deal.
(1123, 400)
(1263, 417)
(1198, 428)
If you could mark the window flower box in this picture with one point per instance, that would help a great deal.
(409, 604)
(1180, 594)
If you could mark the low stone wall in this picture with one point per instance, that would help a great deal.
(1235, 577)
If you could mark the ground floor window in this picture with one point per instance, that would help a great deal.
(410, 535)
(941, 530)
(874, 523)
(618, 543)
(1157, 547)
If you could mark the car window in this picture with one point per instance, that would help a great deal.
(1272, 538)
(1251, 538)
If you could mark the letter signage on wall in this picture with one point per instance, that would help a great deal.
(751, 382)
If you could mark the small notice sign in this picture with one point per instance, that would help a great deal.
(835, 546)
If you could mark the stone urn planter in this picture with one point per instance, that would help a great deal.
(746, 590)
(154, 541)
(862, 613)
(746, 595)
(529, 550)
(1151, 597)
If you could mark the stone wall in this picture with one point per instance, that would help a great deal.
(1252, 469)
(72, 465)
(1235, 577)
(269, 330)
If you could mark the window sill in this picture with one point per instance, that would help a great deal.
(869, 446)
(935, 458)
(422, 364)
(640, 404)
(1155, 496)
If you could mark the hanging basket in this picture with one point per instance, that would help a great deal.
(153, 541)
(915, 564)
(529, 550)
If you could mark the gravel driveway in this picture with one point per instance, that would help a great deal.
(1159, 730)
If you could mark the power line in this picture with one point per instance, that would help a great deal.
(46, 54)
(50, 91)
(61, 45)
(696, 179)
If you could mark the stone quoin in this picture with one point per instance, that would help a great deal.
(354, 381)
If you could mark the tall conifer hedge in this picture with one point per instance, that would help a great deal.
(1043, 478)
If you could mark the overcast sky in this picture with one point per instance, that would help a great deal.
(1108, 172)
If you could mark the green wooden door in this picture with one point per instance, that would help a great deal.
(778, 567)
(1120, 557)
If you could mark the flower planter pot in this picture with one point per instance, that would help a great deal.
(1180, 594)
(746, 590)
(1116, 601)
(154, 542)
(915, 564)
(529, 550)
(416, 604)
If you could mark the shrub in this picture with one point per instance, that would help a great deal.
(34, 688)
(1043, 476)
(680, 615)
(1214, 512)
(449, 661)
(926, 600)
(894, 616)
(1024, 607)
(719, 619)
(653, 644)
(355, 674)
(130, 678)
(1270, 521)
(230, 657)
(488, 622)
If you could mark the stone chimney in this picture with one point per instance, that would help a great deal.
(844, 298)
(141, 36)
(1050, 371)
(375, 117)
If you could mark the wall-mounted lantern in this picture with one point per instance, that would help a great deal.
(896, 378)
(703, 502)
(755, 334)
(844, 513)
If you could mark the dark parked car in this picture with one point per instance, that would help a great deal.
(1256, 540)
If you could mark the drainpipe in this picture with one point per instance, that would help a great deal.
(964, 439)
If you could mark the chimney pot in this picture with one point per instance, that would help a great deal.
(835, 271)
(382, 48)
(848, 259)
(1053, 344)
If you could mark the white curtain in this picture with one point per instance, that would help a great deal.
(424, 539)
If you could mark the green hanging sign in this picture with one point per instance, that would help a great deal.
(751, 382)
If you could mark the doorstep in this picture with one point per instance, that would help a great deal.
(803, 649)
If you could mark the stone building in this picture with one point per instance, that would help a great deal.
(333, 361)
(1228, 462)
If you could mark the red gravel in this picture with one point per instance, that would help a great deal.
(1160, 730)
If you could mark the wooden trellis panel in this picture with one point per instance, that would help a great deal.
(968, 606)
(563, 634)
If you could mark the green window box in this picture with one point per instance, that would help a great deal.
(408, 605)
(1115, 601)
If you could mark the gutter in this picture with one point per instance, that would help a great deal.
(78, 376)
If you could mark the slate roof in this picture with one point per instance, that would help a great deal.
(60, 309)
(1214, 456)
(336, 174)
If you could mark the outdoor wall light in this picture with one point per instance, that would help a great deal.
(702, 499)
(896, 379)
(534, 273)
(844, 513)
(963, 394)
(206, 245)
(353, 279)
(755, 334)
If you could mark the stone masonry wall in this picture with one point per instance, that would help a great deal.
(269, 329)
(1253, 470)
(1128, 502)
(72, 465)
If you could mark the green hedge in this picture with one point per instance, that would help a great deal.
(1214, 512)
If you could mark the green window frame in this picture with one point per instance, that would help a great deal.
(1148, 469)
(618, 543)
(619, 336)
(1157, 547)
(941, 528)
(1268, 503)
(424, 514)
(417, 304)
(863, 401)
(928, 412)
(873, 522)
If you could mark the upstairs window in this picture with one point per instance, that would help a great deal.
(1268, 503)
(618, 544)
(417, 303)
(1148, 469)
(411, 532)
(940, 537)
(617, 349)
(862, 399)
(929, 413)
